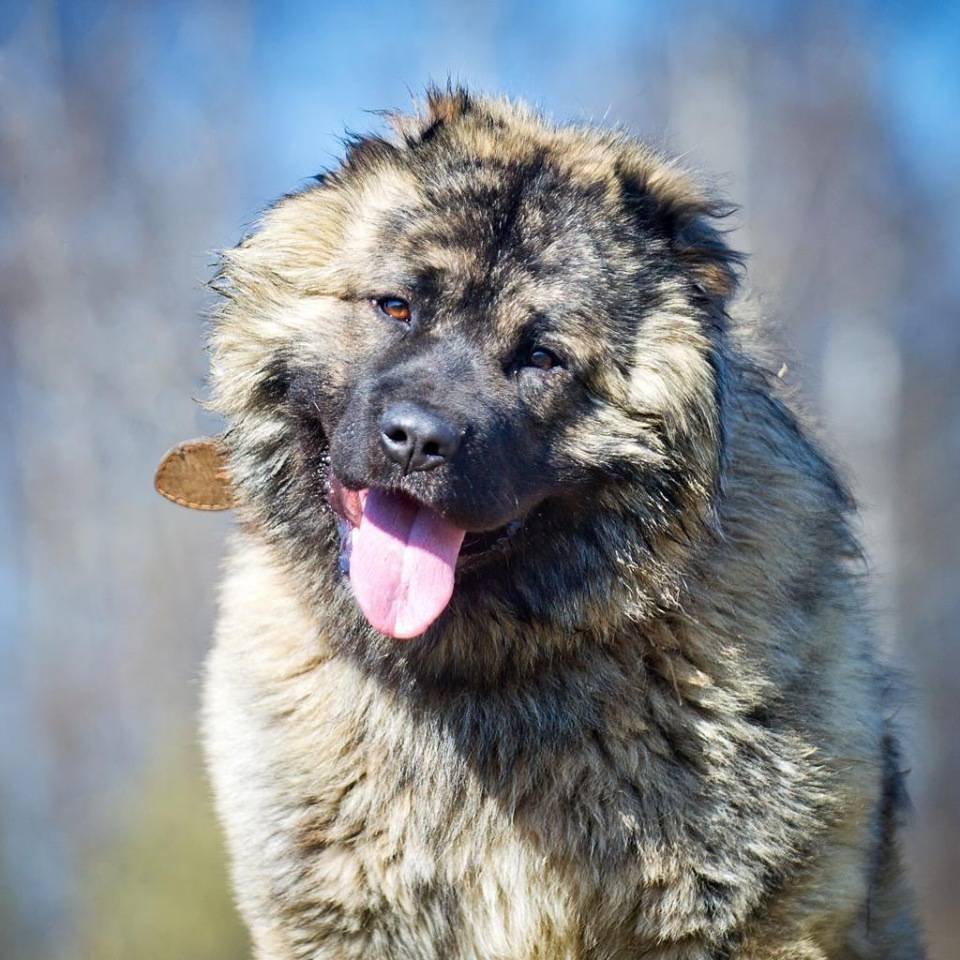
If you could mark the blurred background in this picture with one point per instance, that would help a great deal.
(138, 138)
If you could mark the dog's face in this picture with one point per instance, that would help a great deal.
(470, 346)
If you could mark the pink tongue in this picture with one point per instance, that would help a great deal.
(402, 558)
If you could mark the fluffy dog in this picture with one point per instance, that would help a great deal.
(541, 634)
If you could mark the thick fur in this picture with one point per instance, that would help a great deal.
(650, 724)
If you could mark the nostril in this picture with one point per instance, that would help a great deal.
(397, 435)
(431, 448)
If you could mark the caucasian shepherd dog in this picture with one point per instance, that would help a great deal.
(541, 635)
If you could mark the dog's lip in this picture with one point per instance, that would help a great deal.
(475, 544)
(345, 503)
(347, 506)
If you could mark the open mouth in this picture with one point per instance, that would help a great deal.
(401, 556)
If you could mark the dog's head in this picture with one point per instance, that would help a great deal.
(484, 351)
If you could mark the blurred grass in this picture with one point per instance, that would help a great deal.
(159, 889)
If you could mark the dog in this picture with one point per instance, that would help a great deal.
(542, 633)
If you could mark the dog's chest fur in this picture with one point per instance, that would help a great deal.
(369, 821)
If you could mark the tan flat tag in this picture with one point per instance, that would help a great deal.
(194, 474)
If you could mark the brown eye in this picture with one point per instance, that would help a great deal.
(542, 359)
(395, 307)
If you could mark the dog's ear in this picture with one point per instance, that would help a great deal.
(194, 474)
(666, 197)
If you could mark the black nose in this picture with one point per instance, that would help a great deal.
(416, 438)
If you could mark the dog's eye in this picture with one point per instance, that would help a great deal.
(394, 307)
(542, 359)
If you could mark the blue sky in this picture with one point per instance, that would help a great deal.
(314, 69)
(318, 67)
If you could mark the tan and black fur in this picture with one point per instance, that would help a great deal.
(650, 722)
